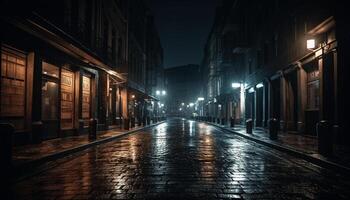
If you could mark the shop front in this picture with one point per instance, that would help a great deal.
(66, 99)
(13, 93)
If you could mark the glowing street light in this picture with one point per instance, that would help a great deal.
(163, 92)
(200, 99)
(311, 44)
(157, 92)
(236, 85)
(251, 90)
(191, 104)
(259, 85)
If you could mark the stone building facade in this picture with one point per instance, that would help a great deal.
(66, 62)
(278, 59)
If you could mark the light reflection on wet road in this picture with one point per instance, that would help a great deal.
(183, 159)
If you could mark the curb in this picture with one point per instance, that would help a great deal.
(312, 159)
(22, 168)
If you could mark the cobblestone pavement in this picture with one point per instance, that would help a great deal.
(183, 159)
(302, 143)
(30, 152)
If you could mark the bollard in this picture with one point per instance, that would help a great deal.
(273, 128)
(7, 131)
(37, 132)
(132, 120)
(148, 120)
(139, 121)
(81, 126)
(126, 124)
(223, 121)
(218, 120)
(92, 129)
(232, 122)
(249, 126)
(324, 133)
(144, 121)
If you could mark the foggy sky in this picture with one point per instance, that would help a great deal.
(183, 26)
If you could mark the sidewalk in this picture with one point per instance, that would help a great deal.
(299, 145)
(60, 147)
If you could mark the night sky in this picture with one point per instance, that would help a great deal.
(183, 26)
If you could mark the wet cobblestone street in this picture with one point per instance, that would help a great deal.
(183, 159)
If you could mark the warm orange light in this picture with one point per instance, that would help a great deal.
(310, 44)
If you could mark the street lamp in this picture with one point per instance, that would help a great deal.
(259, 85)
(236, 85)
(163, 92)
(251, 90)
(310, 43)
(200, 105)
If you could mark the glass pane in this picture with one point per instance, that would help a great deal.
(50, 70)
(86, 97)
(49, 100)
(313, 98)
(67, 99)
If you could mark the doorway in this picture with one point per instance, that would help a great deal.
(49, 101)
(86, 100)
(67, 100)
(292, 101)
(276, 99)
(259, 107)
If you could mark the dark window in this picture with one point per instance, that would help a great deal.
(250, 67)
(313, 90)
(266, 53)
(260, 59)
(114, 47)
(120, 50)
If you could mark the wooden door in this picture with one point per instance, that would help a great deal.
(67, 100)
(86, 100)
(50, 100)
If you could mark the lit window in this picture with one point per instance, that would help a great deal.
(310, 44)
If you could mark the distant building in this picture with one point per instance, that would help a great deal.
(279, 59)
(183, 85)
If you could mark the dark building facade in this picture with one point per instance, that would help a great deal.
(64, 63)
(278, 59)
(145, 56)
(183, 83)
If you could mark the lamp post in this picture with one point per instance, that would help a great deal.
(200, 101)
(161, 94)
